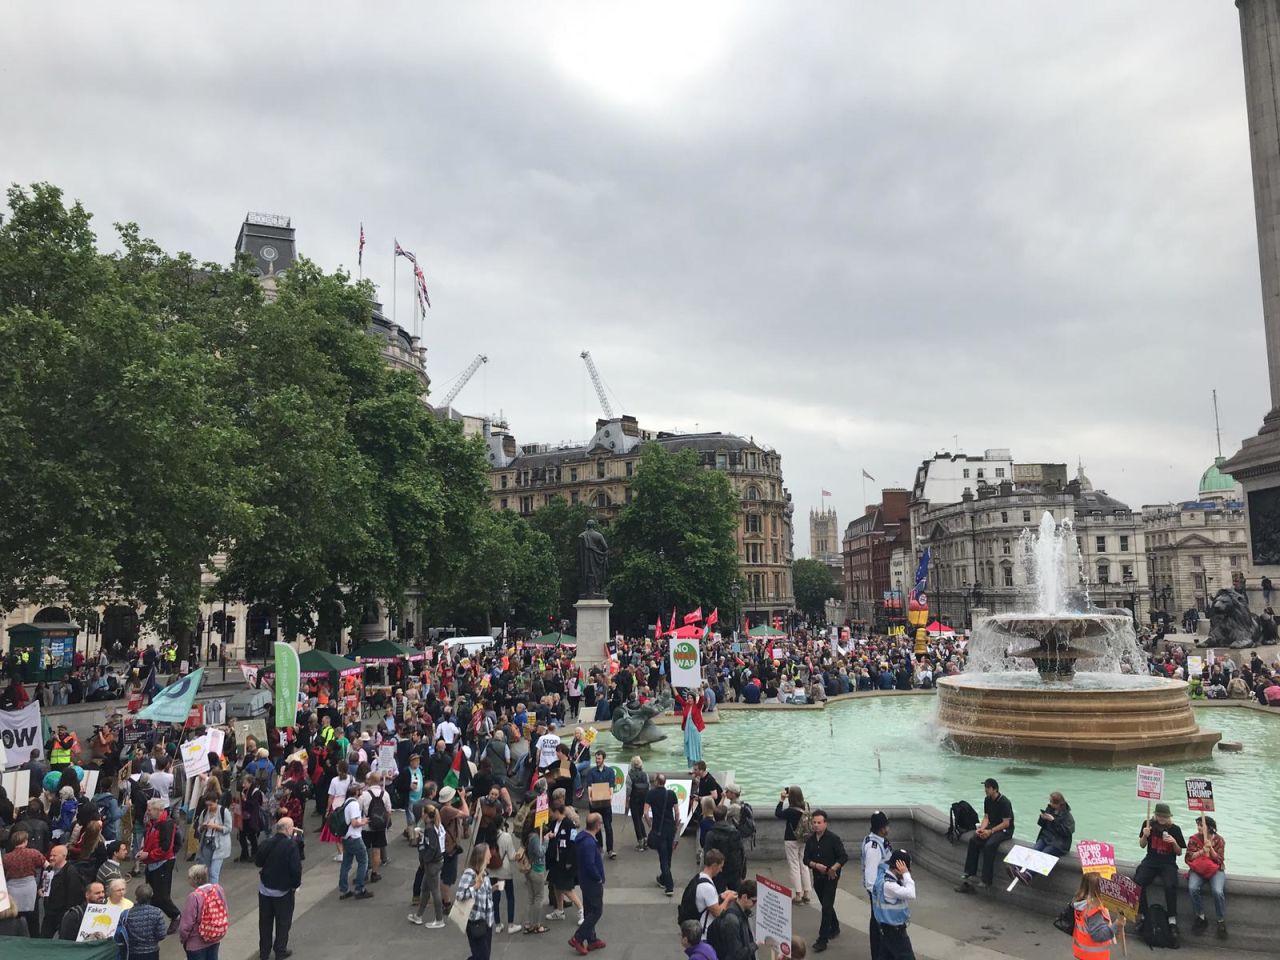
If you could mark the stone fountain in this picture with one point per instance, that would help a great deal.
(1066, 683)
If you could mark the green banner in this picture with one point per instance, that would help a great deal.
(172, 704)
(288, 670)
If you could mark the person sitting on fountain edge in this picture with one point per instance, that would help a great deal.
(996, 827)
(1164, 843)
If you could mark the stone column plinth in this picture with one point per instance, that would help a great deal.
(592, 631)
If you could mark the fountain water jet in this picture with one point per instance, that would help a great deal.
(1065, 683)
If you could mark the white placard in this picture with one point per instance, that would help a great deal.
(17, 786)
(89, 785)
(387, 759)
(773, 915)
(100, 921)
(4, 890)
(683, 789)
(20, 734)
(195, 756)
(685, 664)
(215, 738)
(1037, 861)
(1150, 783)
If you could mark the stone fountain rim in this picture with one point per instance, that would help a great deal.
(1142, 682)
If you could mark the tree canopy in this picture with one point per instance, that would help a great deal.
(814, 584)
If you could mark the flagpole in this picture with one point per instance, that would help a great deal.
(395, 264)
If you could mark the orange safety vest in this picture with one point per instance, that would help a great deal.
(1083, 946)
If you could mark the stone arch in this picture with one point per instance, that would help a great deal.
(51, 615)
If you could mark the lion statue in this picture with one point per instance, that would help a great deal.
(1231, 624)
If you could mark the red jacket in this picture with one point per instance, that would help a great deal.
(692, 708)
(154, 843)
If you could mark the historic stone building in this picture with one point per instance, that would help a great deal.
(872, 596)
(978, 554)
(824, 538)
(598, 474)
(1196, 548)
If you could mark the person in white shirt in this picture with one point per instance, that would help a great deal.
(546, 747)
(375, 838)
(890, 909)
(353, 847)
(448, 731)
(875, 850)
(162, 781)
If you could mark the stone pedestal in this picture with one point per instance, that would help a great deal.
(592, 631)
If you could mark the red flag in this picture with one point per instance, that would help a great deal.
(673, 620)
(714, 618)
(693, 617)
(657, 631)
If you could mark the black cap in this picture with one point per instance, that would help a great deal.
(879, 821)
(900, 855)
(991, 782)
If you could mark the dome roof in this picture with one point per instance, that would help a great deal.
(1215, 480)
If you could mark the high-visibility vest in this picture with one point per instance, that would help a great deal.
(60, 755)
(1083, 946)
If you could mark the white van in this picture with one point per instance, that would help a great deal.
(470, 644)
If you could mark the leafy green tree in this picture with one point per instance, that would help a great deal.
(562, 522)
(674, 543)
(121, 479)
(814, 584)
(506, 566)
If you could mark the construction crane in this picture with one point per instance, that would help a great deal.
(467, 374)
(597, 382)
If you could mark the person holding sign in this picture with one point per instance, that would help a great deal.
(691, 723)
(1207, 860)
(1094, 932)
(1162, 839)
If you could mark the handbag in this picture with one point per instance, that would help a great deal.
(1205, 866)
(1066, 920)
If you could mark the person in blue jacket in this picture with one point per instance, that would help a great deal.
(591, 882)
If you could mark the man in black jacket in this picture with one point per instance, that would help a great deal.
(280, 874)
(724, 836)
(66, 890)
(825, 855)
(730, 933)
(69, 926)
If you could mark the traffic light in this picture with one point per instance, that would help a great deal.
(216, 621)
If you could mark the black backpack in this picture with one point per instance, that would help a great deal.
(689, 899)
(963, 819)
(1155, 927)
(377, 813)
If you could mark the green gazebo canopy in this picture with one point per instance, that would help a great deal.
(319, 662)
(764, 630)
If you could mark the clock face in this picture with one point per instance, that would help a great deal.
(268, 253)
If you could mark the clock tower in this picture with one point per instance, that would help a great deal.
(268, 238)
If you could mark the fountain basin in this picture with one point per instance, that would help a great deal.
(1095, 719)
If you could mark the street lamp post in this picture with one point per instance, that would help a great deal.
(506, 602)
(735, 588)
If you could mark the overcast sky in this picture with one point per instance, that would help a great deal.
(855, 232)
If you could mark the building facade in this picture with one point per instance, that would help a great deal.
(979, 546)
(1198, 547)
(825, 539)
(598, 474)
(872, 596)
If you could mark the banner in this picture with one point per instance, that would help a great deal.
(215, 713)
(172, 704)
(288, 670)
(1150, 783)
(1097, 857)
(20, 734)
(773, 915)
(918, 599)
(682, 789)
(1200, 794)
(686, 664)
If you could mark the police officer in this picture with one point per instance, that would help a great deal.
(875, 851)
(894, 886)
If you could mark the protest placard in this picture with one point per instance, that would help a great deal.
(387, 759)
(682, 789)
(250, 728)
(541, 812)
(773, 915)
(20, 734)
(1097, 857)
(100, 921)
(216, 739)
(1200, 794)
(4, 890)
(195, 756)
(1120, 895)
(1025, 858)
(1150, 783)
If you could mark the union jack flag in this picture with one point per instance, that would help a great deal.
(402, 252)
(360, 255)
(422, 283)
